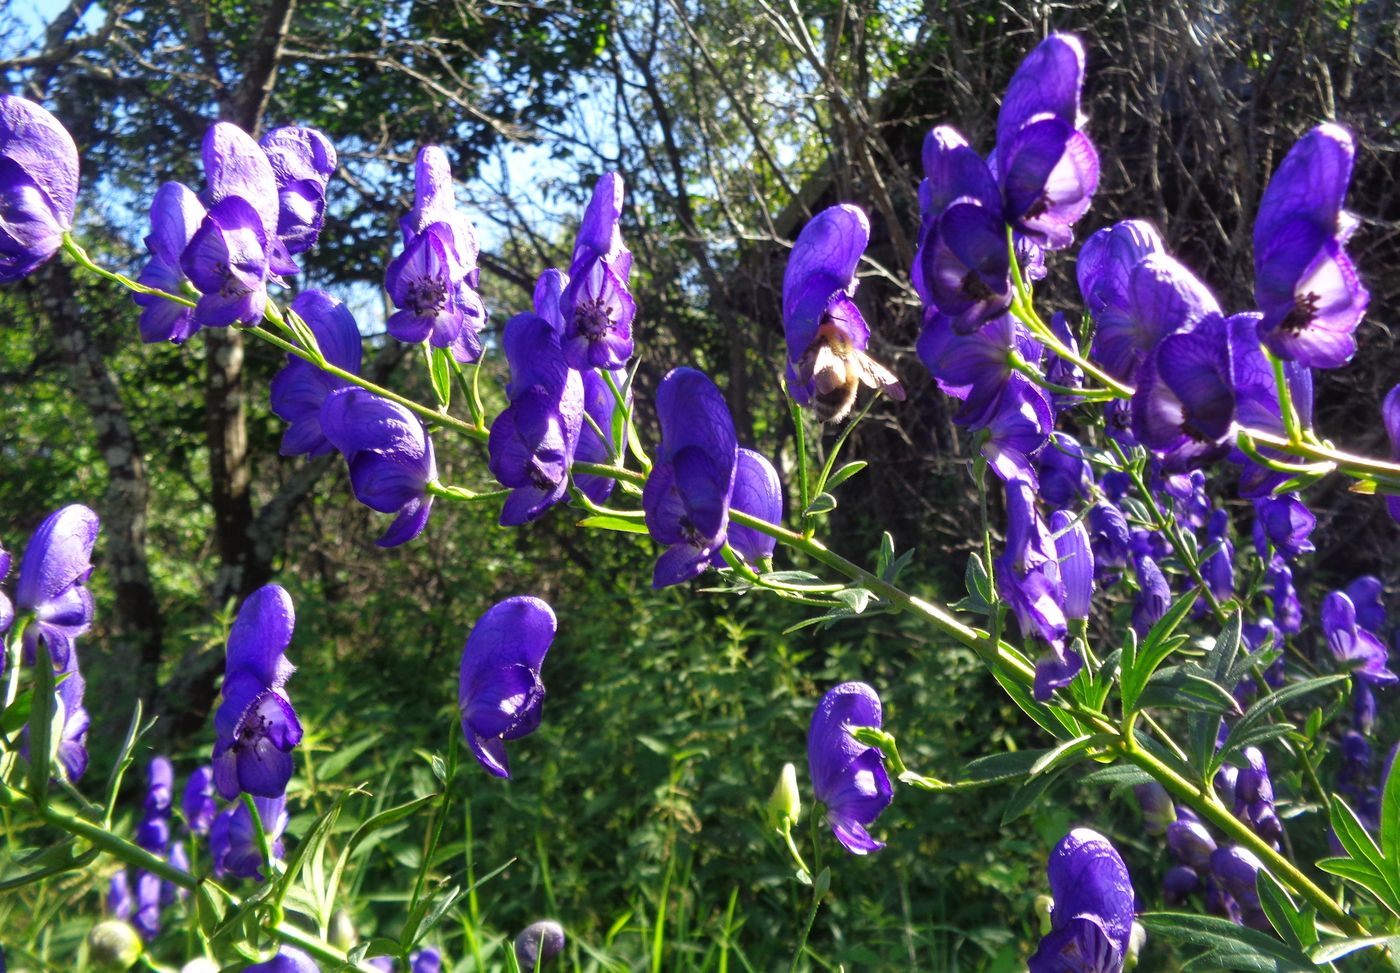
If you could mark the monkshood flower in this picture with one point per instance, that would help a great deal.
(1158, 811)
(500, 694)
(38, 186)
(1062, 371)
(826, 333)
(433, 281)
(1184, 405)
(146, 918)
(1219, 568)
(300, 389)
(56, 564)
(233, 840)
(686, 497)
(1076, 557)
(390, 457)
(1236, 869)
(758, 493)
(1353, 645)
(1192, 504)
(289, 959)
(1110, 538)
(198, 802)
(1278, 582)
(1018, 431)
(1190, 842)
(1254, 797)
(303, 161)
(1028, 578)
(538, 944)
(847, 776)
(71, 719)
(976, 367)
(1092, 918)
(255, 725)
(7, 608)
(1154, 595)
(1047, 168)
(153, 833)
(1104, 264)
(1257, 404)
(596, 306)
(1304, 282)
(176, 215)
(1285, 524)
(1162, 297)
(1064, 474)
(119, 899)
(425, 960)
(179, 859)
(1365, 592)
(1390, 415)
(963, 268)
(533, 440)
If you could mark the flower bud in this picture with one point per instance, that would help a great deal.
(1157, 809)
(113, 946)
(1136, 940)
(538, 944)
(342, 933)
(785, 804)
(1044, 906)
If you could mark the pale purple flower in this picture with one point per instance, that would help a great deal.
(289, 959)
(198, 802)
(538, 945)
(176, 215)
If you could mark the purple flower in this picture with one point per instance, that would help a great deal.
(1062, 371)
(56, 564)
(1288, 610)
(1283, 522)
(1218, 568)
(1236, 869)
(1190, 842)
(533, 440)
(826, 333)
(256, 726)
(962, 269)
(1254, 797)
(7, 608)
(1184, 405)
(1158, 811)
(146, 917)
(757, 493)
(1353, 645)
(289, 959)
(425, 960)
(686, 497)
(538, 944)
(1092, 917)
(1304, 282)
(176, 215)
(38, 186)
(600, 405)
(227, 261)
(1154, 595)
(500, 694)
(1110, 539)
(119, 899)
(1028, 573)
(71, 720)
(1063, 472)
(300, 389)
(1076, 557)
(1367, 594)
(1047, 168)
(1256, 401)
(153, 833)
(433, 281)
(596, 305)
(303, 161)
(389, 455)
(198, 802)
(1017, 431)
(1390, 416)
(847, 776)
(1161, 298)
(233, 840)
(1104, 264)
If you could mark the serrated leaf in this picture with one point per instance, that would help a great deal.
(609, 522)
(845, 473)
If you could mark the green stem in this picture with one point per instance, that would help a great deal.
(804, 497)
(836, 446)
(1291, 423)
(1031, 372)
(80, 256)
(633, 441)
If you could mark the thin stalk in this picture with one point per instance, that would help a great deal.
(80, 256)
(840, 442)
(804, 497)
(1031, 372)
(633, 441)
(1291, 423)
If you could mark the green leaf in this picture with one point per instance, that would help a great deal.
(53, 860)
(440, 373)
(331, 767)
(1227, 946)
(1366, 865)
(1297, 927)
(17, 713)
(882, 561)
(609, 522)
(303, 334)
(1220, 667)
(1390, 820)
(1255, 715)
(822, 503)
(1063, 754)
(1055, 721)
(978, 583)
(1027, 794)
(41, 729)
(125, 757)
(1001, 766)
(1333, 950)
(856, 599)
(845, 473)
(1186, 687)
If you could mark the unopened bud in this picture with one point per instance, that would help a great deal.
(538, 944)
(342, 933)
(1136, 940)
(1044, 905)
(113, 946)
(785, 804)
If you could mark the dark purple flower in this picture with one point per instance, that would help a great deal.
(1366, 593)
(1237, 870)
(1017, 432)
(500, 694)
(1162, 297)
(600, 405)
(390, 457)
(255, 724)
(687, 494)
(1092, 918)
(289, 959)
(538, 944)
(1184, 405)
(1304, 281)
(1254, 797)
(176, 215)
(227, 261)
(425, 960)
(233, 840)
(1076, 557)
(120, 902)
(1285, 523)
(1158, 811)
(976, 367)
(1109, 538)
(1218, 568)
(534, 439)
(757, 493)
(303, 161)
(1390, 416)
(299, 390)
(71, 720)
(38, 186)
(1063, 472)
(1353, 645)
(153, 833)
(421, 285)
(1178, 882)
(1063, 371)
(1154, 595)
(1104, 264)
(52, 574)
(1257, 404)
(596, 305)
(847, 776)
(1288, 610)
(1190, 842)
(198, 802)
(146, 917)
(1048, 169)
(7, 608)
(1028, 579)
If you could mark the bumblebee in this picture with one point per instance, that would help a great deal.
(838, 368)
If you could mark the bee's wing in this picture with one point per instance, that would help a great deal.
(877, 376)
